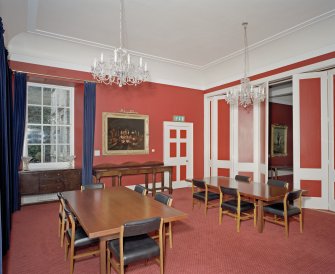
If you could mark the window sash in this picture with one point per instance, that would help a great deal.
(56, 104)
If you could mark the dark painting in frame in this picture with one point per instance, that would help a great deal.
(278, 140)
(125, 134)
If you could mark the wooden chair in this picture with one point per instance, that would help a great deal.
(235, 207)
(243, 178)
(77, 238)
(284, 210)
(247, 179)
(61, 218)
(279, 183)
(93, 186)
(200, 193)
(166, 200)
(135, 244)
(141, 189)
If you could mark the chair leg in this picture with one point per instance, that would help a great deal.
(59, 227)
(300, 221)
(71, 259)
(108, 262)
(66, 249)
(170, 234)
(220, 215)
(62, 233)
(255, 215)
(238, 219)
(286, 225)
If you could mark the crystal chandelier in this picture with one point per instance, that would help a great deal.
(119, 69)
(245, 94)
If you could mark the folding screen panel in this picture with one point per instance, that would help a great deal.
(310, 137)
(331, 113)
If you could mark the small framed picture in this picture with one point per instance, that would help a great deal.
(278, 140)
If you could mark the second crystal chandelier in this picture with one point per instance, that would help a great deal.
(119, 69)
(246, 94)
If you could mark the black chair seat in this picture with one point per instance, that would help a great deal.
(81, 238)
(135, 248)
(278, 209)
(201, 195)
(231, 205)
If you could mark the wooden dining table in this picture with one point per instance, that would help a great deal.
(258, 192)
(102, 212)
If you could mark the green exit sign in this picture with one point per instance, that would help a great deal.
(178, 118)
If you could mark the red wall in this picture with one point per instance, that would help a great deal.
(282, 115)
(158, 101)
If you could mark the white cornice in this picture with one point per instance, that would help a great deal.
(53, 63)
(111, 48)
(272, 38)
(33, 30)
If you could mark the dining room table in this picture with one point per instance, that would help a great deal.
(102, 212)
(259, 192)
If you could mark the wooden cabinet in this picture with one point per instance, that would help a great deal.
(49, 181)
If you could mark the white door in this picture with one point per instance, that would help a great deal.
(331, 113)
(178, 150)
(310, 137)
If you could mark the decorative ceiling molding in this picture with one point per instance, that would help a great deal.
(111, 48)
(272, 38)
(32, 13)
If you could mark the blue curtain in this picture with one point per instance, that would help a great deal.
(88, 132)
(6, 160)
(19, 117)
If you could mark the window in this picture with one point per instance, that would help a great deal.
(49, 126)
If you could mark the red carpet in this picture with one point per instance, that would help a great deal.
(201, 245)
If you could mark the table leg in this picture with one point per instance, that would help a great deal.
(146, 181)
(154, 184)
(162, 181)
(170, 181)
(103, 256)
(260, 214)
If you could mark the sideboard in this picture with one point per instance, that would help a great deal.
(49, 181)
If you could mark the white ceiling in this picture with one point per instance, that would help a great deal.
(197, 33)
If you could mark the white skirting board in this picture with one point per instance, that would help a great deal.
(33, 199)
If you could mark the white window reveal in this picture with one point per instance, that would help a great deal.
(49, 135)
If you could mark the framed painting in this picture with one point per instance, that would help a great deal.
(278, 140)
(125, 134)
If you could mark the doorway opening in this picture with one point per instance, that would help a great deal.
(280, 143)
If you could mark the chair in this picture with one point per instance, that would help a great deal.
(93, 186)
(200, 193)
(77, 238)
(135, 244)
(284, 210)
(243, 178)
(166, 200)
(279, 183)
(235, 207)
(61, 218)
(141, 189)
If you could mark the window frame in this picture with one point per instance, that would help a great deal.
(52, 165)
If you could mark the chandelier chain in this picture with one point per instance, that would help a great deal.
(120, 70)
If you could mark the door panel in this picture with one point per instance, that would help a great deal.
(178, 149)
(310, 137)
(263, 137)
(331, 113)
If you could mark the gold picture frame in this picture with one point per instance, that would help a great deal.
(125, 134)
(278, 140)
